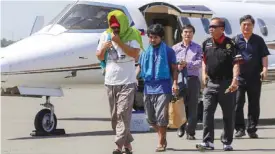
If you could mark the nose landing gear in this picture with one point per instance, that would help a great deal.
(45, 121)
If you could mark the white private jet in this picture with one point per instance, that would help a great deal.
(62, 54)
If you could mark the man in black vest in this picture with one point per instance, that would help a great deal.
(219, 76)
(254, 69)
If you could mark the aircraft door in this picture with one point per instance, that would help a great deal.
(172, 17)
(194, 11)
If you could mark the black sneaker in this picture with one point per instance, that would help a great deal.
(205, 146)
(117, 151)
(127, 151)
(240, 133)
(253, 135)
(227, 148)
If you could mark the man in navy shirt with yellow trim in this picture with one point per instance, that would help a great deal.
(220, 69)
(254, 69)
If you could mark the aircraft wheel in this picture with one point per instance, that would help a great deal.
(42, 122)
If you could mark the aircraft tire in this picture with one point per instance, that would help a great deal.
(42, 122)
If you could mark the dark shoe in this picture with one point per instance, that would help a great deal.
(190, 137)
(127, 151)
(116, 151)
(181, 131)
(227, 148)
(205, 146)
(253, 135)
(240, 133)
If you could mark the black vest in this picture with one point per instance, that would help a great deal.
(219, 58)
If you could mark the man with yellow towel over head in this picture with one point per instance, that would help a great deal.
(118, 48)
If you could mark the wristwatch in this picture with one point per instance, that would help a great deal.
(236, 78)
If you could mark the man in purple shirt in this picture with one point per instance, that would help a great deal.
(189, 56)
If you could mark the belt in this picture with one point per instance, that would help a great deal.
(192, 76)
(220, 79)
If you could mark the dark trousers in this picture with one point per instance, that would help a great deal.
(253, 90)
(214, 93)
(191, 98)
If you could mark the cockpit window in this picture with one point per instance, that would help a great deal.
(205, 23)
(228, 29)
(185, 21)
(263, 27)
(83, 16)
(60, 14)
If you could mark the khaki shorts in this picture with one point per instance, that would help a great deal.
(156, 108)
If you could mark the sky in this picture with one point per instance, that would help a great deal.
(18, 16)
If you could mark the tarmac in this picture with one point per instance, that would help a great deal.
(84, 114)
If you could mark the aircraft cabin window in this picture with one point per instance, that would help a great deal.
(263, 27)
(228, 29)
(205, 23)
(185, 21)
(83, 16)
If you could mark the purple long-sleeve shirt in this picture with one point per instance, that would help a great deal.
(192, 55)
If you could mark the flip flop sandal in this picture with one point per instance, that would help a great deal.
(116, 151)
(162, 148)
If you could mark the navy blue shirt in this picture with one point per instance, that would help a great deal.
(160, 86)
(219, 58)
(252, 52)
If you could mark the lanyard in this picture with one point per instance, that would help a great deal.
(186, 49)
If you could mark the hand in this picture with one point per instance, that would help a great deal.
(263, 74)
(137, 82)
(233, 87)
(175, 88)
(182, 65)
(107, 45)
(204, 80)
(116, 38)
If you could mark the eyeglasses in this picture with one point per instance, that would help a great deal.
(214, 26)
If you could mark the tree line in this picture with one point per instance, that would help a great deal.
(5, 42)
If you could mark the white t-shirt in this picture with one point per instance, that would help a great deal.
(120, 68)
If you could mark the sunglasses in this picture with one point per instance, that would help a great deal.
(215, 26)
